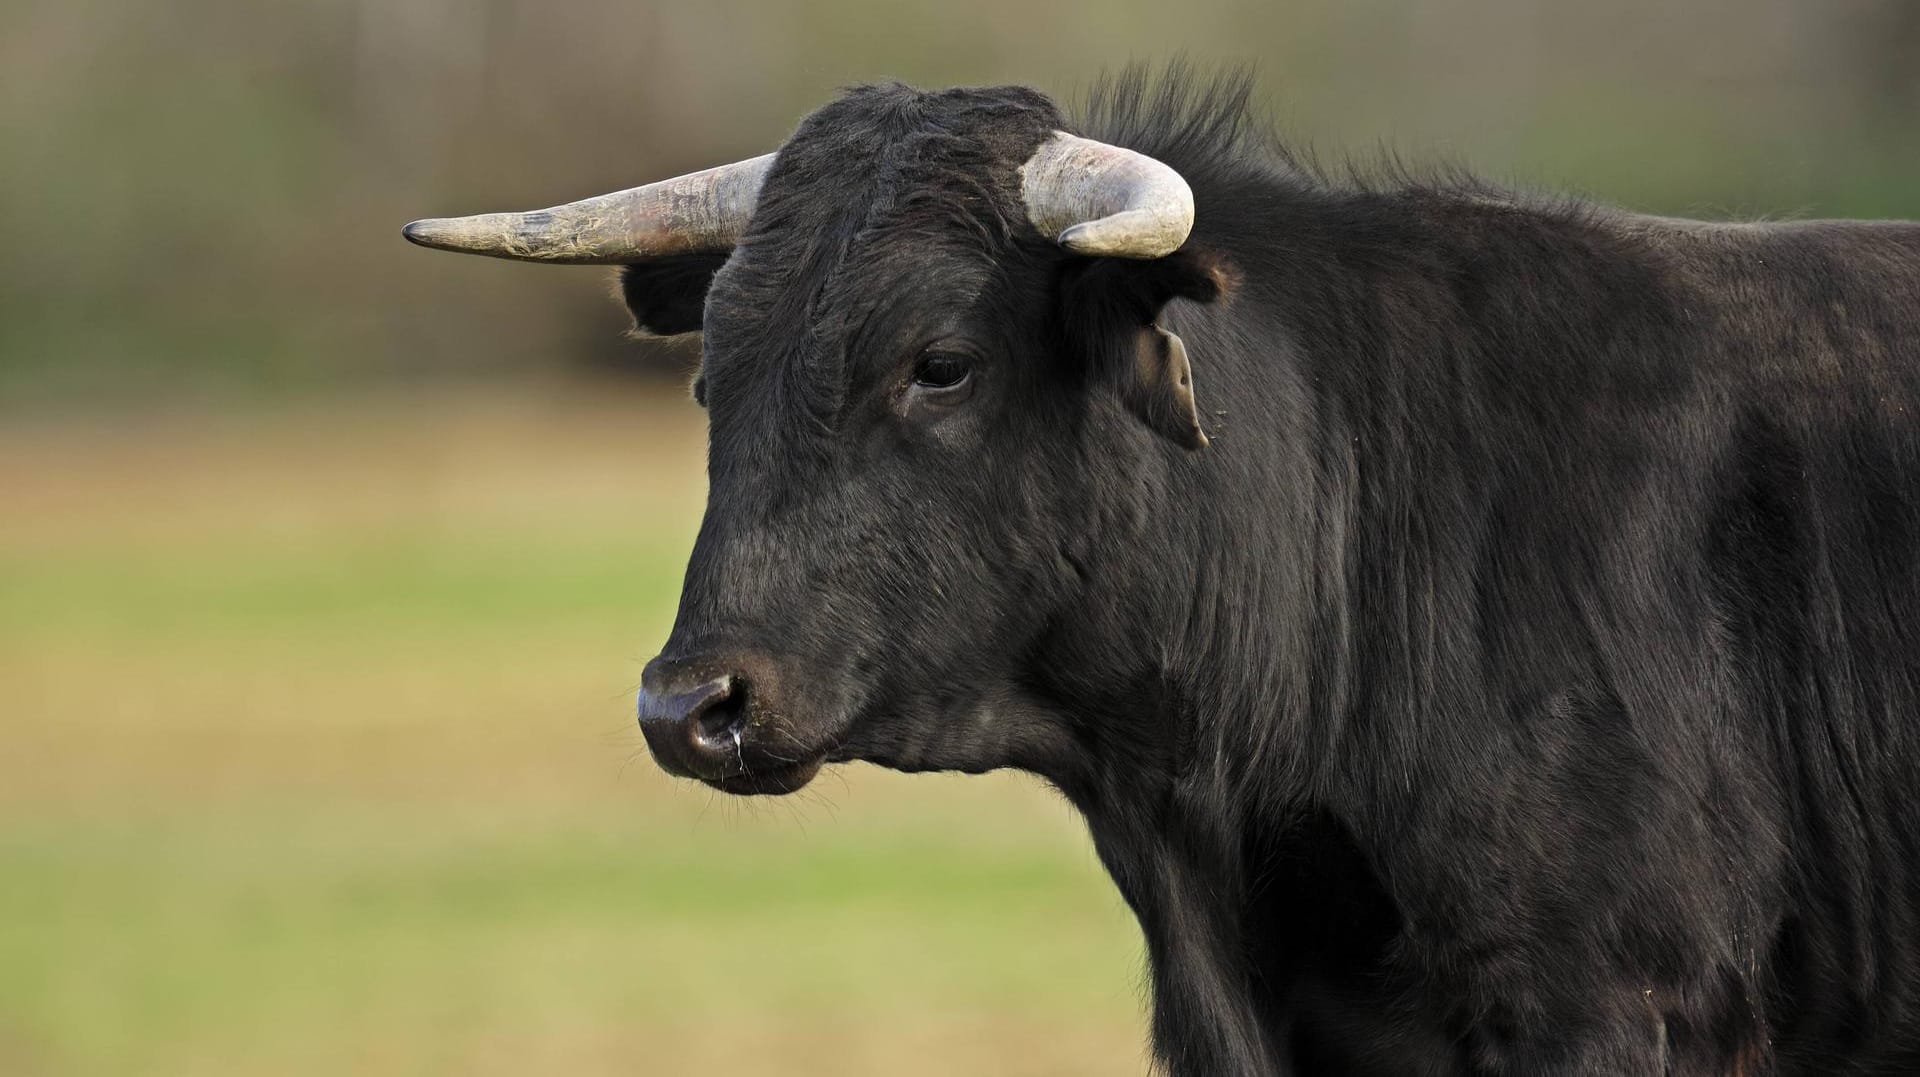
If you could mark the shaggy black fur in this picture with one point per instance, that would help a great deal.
(1526, 680)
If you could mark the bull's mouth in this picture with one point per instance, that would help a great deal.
(769, 781)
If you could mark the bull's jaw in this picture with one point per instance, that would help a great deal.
(1004, 728)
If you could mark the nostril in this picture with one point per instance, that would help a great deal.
(716, 724)
(694, 733)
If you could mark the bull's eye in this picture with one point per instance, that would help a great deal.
(942, 370)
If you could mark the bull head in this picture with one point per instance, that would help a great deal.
(900, 379)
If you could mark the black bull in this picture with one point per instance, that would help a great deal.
(1525, 679)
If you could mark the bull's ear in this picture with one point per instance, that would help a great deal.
(1159, 389)
(1116, 306)
(668, 295)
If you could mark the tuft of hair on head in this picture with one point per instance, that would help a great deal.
(1201, 123)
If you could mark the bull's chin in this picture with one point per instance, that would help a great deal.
(777, 781)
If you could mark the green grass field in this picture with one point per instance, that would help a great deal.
(318, 758)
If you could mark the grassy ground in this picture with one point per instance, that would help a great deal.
(317, 757)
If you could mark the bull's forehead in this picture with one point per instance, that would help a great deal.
(893, 140)
(888, 200)
(888, 166)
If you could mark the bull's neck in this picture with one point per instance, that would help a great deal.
(1228, 728)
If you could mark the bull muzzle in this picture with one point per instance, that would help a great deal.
(719, 728)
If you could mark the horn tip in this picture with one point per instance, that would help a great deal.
(426, 233)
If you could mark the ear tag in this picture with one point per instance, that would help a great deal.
(1163, 389)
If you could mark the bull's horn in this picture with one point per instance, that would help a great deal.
(1097, 199)
(703, 211)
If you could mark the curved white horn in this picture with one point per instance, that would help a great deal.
(1097, 199)
(702, 211)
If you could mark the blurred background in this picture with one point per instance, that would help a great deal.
(328, 565)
